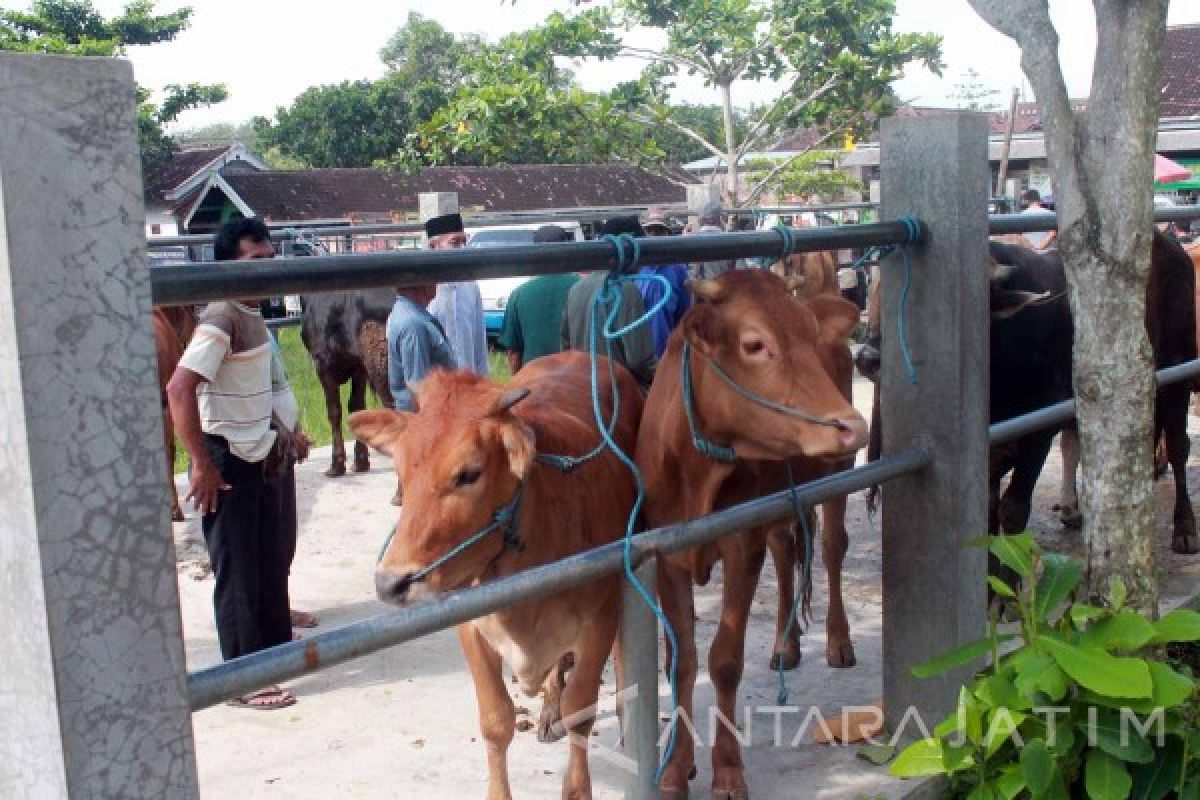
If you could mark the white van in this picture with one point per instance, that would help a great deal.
(495, 291)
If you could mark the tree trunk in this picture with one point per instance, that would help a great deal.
(1102, 162)
(731, 155)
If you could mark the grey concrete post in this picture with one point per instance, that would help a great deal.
(934, 588)
(435, 204)
(701, 194)
(93, 692)
(639, 650)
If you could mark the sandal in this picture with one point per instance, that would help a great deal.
(258, 701)
(303, 619)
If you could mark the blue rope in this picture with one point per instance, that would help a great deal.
(913, 234)
(505, 518)
(789, 239)
(626, 250)
(805, 588)
(611, 294)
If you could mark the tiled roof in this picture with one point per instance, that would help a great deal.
(184, 165)
(1180, 77)
(370, 193)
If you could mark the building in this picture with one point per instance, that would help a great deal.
(204, 187)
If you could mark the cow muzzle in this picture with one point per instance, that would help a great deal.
(397, 587)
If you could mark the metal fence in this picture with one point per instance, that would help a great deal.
(202, 282)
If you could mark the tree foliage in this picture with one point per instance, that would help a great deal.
(812, 175)
(75, 27)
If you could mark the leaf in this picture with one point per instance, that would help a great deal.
(1041, 673)
(999, 691)
(877, 754)
(1081, 614)
(1119, 739)
(1037, 766)
(1191, 790)
(1001, 588)
(1014, 551)
(1000, 730)
(1098, 671)
(1155, 780)
(1106, 778)
(1060, 575)
(1117, 593)
(1011, 782)
(1180, 625)
(1125, 630)
(983, 791)
(957, 657)
(1171, 688)
(919, 759)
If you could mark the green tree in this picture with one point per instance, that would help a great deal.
(834, 58)
(813, 174)
(75, 27)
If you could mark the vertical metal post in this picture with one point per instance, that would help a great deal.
(93, 691)
(933, 583)
(639, 650)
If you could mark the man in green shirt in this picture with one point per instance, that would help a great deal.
(533, 316)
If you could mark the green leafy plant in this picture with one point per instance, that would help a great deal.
(1079, 707)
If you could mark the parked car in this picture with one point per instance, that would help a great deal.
(495, 291)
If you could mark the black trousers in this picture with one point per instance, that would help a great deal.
(250, 548)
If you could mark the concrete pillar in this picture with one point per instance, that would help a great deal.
(435, 204)
(934, 588)
(93, 692)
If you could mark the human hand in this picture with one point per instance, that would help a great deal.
(206, 484)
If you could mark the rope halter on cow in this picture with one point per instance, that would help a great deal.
(720, 452)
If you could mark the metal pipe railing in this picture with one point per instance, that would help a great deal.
(210, 686)
(1000, 224)
(1015, 428)
(207, 281)
(285, 322)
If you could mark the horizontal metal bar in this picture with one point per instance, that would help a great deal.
(206, 281)
(1000, 224)
(210, 686)
(1057, 414)
(285, 322)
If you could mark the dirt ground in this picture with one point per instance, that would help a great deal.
(402, 723)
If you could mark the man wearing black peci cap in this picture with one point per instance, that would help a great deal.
(458, 306)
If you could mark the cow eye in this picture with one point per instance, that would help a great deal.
(467, 476)
(754, 346)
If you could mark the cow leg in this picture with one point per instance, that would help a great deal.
(1017, 503)
(358, 402)
(333, 410)
(169, 441)
(839, 650)
(1068, 507)
(782, 542)
(497, 716)
(678, 604)
(550, 727)
(1173, 402)
(743, 560)
(579, 700)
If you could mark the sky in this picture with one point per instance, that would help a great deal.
(268, 51)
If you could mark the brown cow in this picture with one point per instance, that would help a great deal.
(173, 327)
(787, 351)
(462, 458)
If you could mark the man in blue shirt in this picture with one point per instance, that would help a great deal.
(416, 343)
(656, 223)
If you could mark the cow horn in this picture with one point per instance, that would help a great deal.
(509, 399)
(707, 289)
(795, 283)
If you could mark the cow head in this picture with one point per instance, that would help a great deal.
(781, 348)
(460, 457)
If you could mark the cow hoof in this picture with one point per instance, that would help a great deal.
(177, 515)
(336, 470)
(786, 660)
(665, 793)
(550, 727)
(1185, 543)
(362, 465)
(729, 783)
(1071, 518)
(840, 655)
(730, 794)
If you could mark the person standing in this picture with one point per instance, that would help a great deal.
(656, 224)
(416, 343)
(221, 400)
(634, 350)
(534, 314)
(1038, 240)
(711, 220)
(458, 306)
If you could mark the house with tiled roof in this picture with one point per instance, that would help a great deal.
(175, 186)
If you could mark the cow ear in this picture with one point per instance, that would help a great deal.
(520, 444)
(838, 317)
(381, 429)
(700, 327)
(507, 400)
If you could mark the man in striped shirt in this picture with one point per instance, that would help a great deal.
(222, 402)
